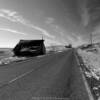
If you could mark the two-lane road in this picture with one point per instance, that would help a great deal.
(51, 76)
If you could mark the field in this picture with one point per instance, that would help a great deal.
(91, 68)
(5, 52)
(6, 56)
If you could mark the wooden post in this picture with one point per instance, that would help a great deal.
(42, 37)
(91, 38)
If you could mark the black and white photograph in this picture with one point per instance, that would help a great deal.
(49, 49)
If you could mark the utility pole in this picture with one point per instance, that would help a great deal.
(91, 38)
(42, 37)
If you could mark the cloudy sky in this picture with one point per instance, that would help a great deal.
(58, 21)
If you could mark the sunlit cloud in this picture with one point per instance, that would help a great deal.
(76, 40)
(44, 32)
(10, 15)
(12, 31)
(51, 42)
(14, 16)
(69, 38)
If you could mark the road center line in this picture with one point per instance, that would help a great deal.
(20, 76)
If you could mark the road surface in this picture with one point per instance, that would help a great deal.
(49, 77)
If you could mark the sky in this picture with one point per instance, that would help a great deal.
(59, 22)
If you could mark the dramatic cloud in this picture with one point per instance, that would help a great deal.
(15, 17)
(51, 42)
(90, 12)
(12, 31)
(44, 32)
(75, 41)
(65, 37)
(12, 16)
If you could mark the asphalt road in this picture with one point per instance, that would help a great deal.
(48, 77)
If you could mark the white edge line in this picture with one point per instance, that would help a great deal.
(85, 81)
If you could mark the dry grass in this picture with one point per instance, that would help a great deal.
(6, 56)
(91, 61)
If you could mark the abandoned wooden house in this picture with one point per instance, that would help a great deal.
(29, 48)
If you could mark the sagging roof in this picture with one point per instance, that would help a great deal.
(29, 48)
(31, 41)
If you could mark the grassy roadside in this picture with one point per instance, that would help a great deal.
(90, 62)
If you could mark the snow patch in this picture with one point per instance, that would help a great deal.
(11, 59)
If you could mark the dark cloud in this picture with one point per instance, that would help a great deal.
(93, 7)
